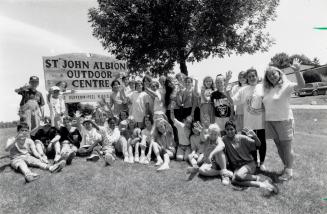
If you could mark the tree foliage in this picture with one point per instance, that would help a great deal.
(282, 60)
(156, 34)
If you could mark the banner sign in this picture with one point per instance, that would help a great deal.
(82, 71)
(86, 97)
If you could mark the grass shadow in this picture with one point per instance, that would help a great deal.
(274, 176)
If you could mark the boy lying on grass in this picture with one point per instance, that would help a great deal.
(21, 149)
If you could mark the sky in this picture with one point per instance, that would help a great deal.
(30, 29)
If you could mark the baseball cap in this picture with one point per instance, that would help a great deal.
(34, 79)
(55, 88)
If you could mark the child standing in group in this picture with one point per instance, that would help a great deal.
(214, 156)
(184, 132)
(21, 149)
(222, 106)
(206, 108)
(57, 107)
(139, 101)
(163, 144)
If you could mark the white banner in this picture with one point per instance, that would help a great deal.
(86, 97)
(82, 71)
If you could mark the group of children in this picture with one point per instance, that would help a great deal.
(149, 120)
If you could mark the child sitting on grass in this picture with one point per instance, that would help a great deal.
(238, 149)
(214, 157)
(21, 149)
(122, 146)
(197, 147)
(163, 144)
(134, 142)
(90, 141)
(146, 139)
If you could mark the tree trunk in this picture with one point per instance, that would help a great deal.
(183, 67)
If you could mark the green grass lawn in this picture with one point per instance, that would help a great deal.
(86, 187)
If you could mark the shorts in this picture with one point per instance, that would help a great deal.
(28, 160)
(282, 130)
(248, 168)
(212, 165)
(183, 151)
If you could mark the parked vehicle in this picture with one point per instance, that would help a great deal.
(313, 89)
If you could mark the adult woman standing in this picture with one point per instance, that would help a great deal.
(278, 112)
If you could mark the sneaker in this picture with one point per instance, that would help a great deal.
(159, 162)
(285, 176)
(145, 161)
(227, 173)
(109, 159)
(70, 158)
(57, 167)
(31, 177)
(126, 159)
(266, 185)
(192, 170)
(163, 167)
(225, 180)
(93, 157)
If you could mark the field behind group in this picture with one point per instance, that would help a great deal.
(86, 187)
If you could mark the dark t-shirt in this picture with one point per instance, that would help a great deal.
(45, 134)
(238, 150)
(221, 104)
(31, 95)
(69, 136)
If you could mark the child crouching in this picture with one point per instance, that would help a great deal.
(163, 144)
(20, 148)
(214, 156)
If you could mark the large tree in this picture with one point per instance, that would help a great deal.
(157, 33)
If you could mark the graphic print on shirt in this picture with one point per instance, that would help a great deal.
(222, 107)
(254, 104)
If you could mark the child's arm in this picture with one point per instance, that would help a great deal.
(10, 143)
(220, 147)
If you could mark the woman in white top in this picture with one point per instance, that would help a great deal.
(278, 112)
(239, 113)
(250, 97)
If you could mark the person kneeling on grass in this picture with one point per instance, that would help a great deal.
(69, 141)
(21, 149)
(214, 156)
(163, 144)
(110, 135)
(46, 140)
(90, 141)
(238, 149)
(197, 148)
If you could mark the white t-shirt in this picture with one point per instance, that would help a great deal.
(147, 133)
(89, 137)
(158, 106)
(277, 102)
(138, 99)
(251, 98)
(239, 108)
(183, 134)
(57, 105)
